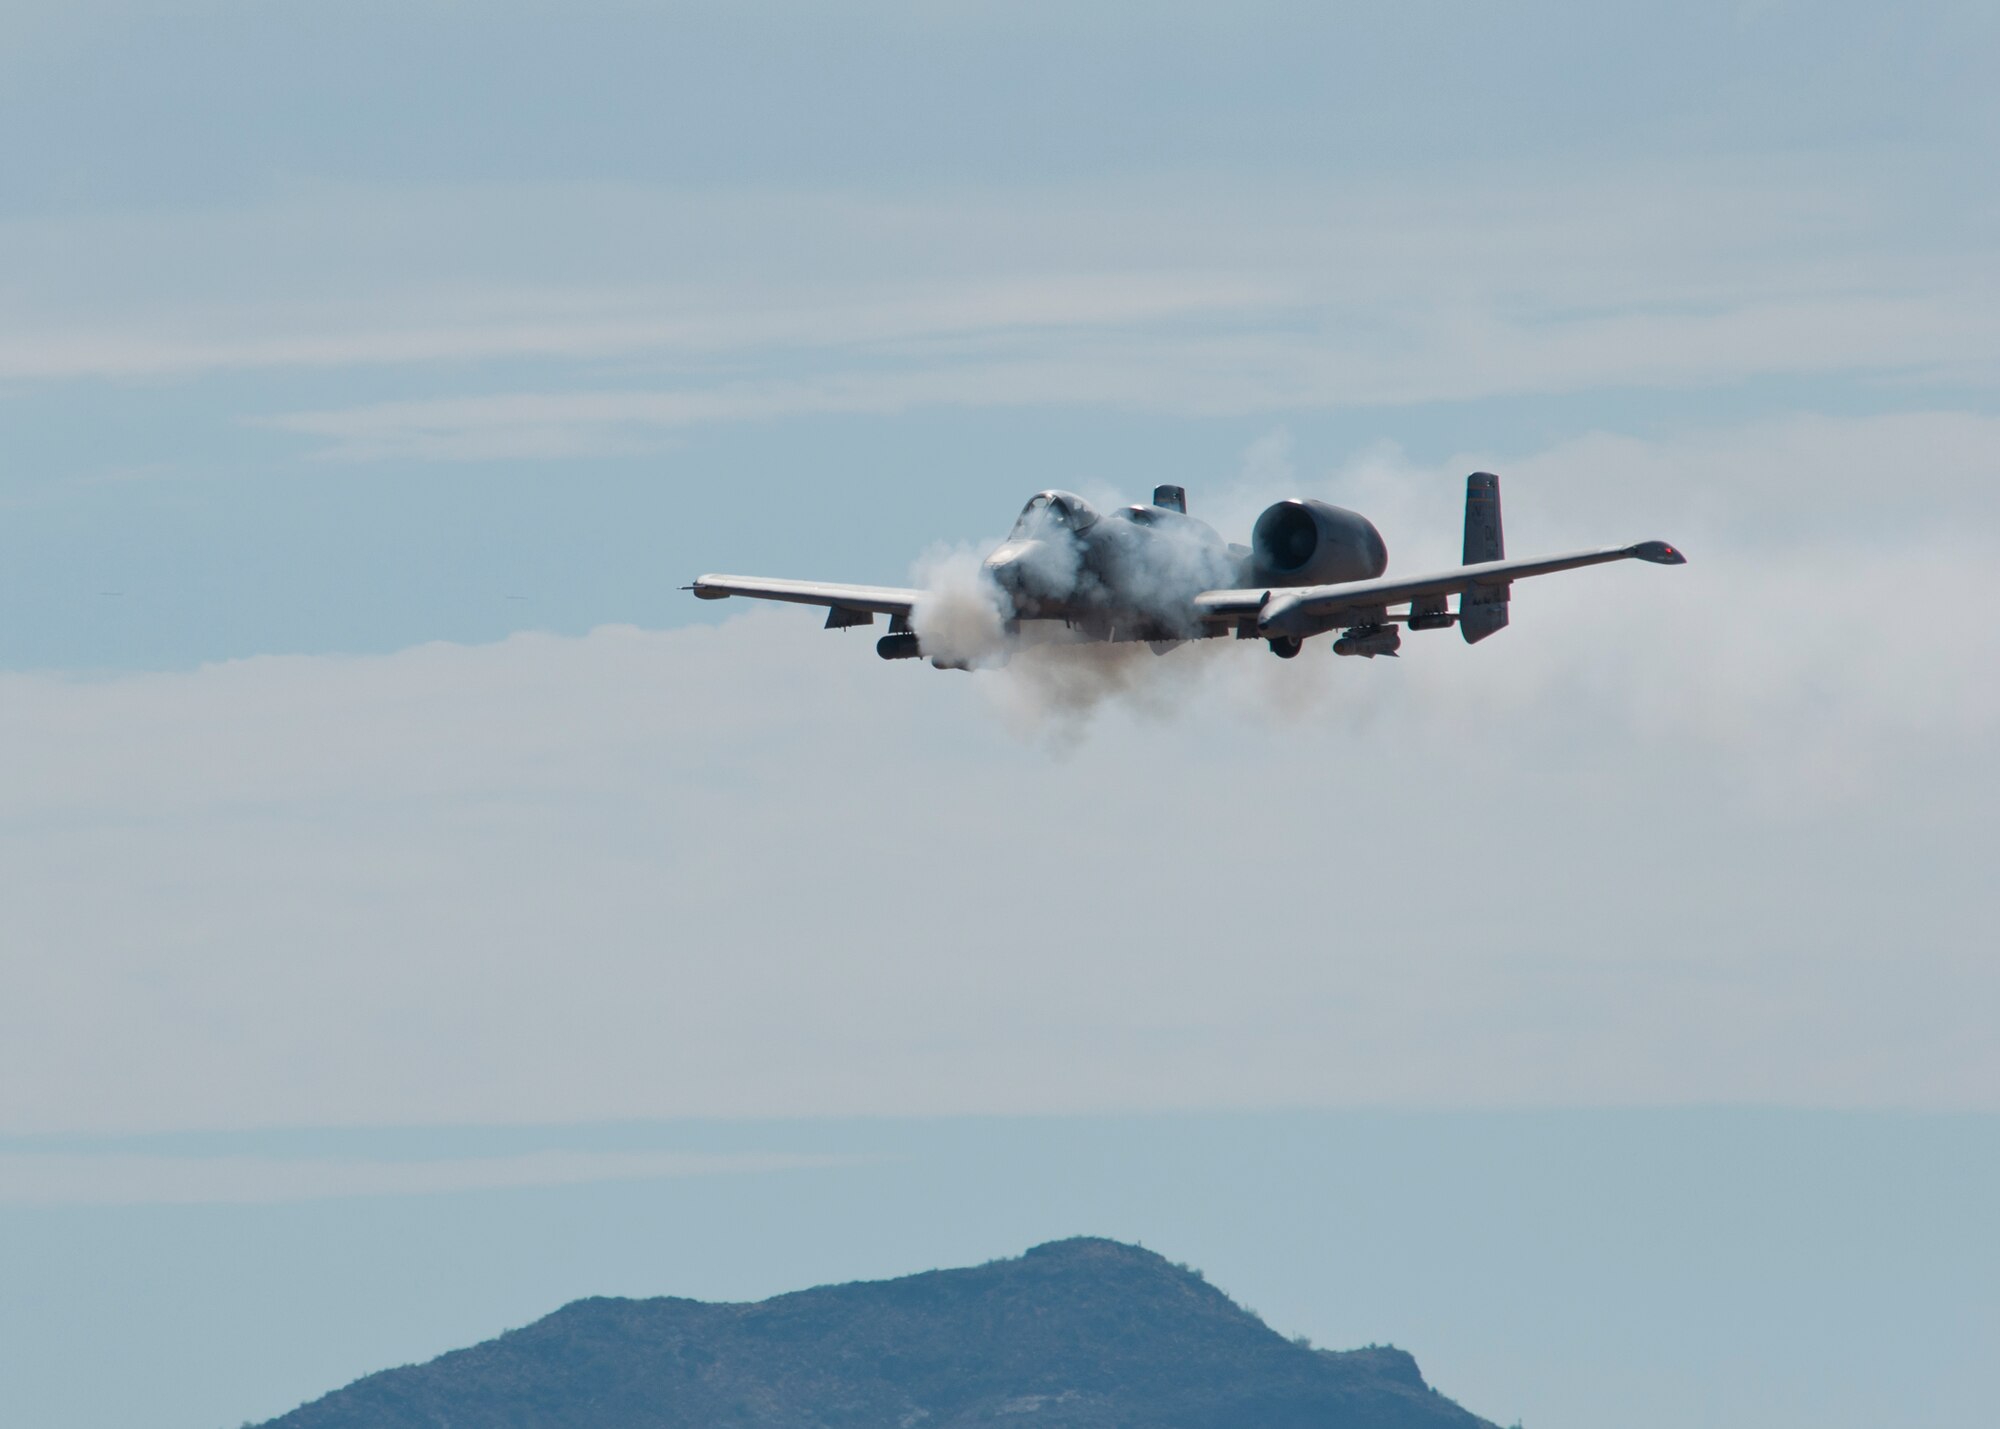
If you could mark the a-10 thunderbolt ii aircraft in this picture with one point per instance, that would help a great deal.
(1156, 574)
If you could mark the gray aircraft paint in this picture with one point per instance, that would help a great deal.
(1482, 609)
(1152, 572)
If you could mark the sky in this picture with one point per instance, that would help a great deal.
(397, 869)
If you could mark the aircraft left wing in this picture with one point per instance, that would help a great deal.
(1307, 610)
(846, 604)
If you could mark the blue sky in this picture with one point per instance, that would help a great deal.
(371, 377)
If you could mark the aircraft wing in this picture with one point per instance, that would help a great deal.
(1308, 609)
(846, 604)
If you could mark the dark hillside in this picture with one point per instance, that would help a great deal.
(1078, 1334)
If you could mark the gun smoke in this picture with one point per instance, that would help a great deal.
(1050, 678)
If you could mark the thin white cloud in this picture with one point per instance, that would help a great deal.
(126, 1179)
(1206, 294)
(641, 320)
(1247, 372)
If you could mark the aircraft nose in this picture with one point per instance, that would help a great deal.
(1005, 566)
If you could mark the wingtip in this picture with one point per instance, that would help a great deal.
(1659, 553)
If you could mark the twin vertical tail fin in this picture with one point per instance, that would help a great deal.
(1482, 609)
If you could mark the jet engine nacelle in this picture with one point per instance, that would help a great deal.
(1311, 543)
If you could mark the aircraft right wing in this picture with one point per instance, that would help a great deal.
(846, 604)
(1307, 610)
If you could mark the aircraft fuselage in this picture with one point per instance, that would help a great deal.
(1134, 573)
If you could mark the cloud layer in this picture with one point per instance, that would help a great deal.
(1698, 834)
(31, 1178)
(1203, 294)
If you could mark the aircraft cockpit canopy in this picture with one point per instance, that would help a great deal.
(1054, 510)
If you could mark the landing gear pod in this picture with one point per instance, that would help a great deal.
(1428, 613)
(1368, 641)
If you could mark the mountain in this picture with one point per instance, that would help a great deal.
(1076, 1334)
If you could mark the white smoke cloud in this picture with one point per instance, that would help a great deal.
(962, 617)
(1775, 637)
(1051, 690)
(1046, 679)
(1050, 679)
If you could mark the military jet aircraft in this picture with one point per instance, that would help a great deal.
(1154, 573)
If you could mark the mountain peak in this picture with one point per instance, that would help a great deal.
(1091, 1247)
(1085, 1333)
